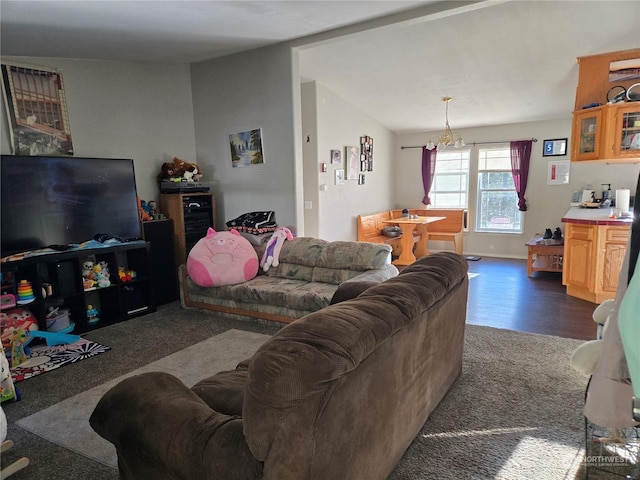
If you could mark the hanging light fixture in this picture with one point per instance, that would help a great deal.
(446, 138)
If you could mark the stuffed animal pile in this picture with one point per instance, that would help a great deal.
(95, 275)
(179, 170)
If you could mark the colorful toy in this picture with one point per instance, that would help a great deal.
(126, 275)
(18, 345)
(222, 258)
(92, 315)
(144, 216)
(13, 320)
(274, 245)
(25, 292)
(7, 390)
(7, 301)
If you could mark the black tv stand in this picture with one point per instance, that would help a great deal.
(56, 280)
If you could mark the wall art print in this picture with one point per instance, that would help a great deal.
(352, 159)
(36, 106)
(246, 148)
(366, 153)
(336, 157)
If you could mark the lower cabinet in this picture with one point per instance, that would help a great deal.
(593, 256)
(93, 288)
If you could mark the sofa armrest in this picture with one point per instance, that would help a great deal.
(161, 429)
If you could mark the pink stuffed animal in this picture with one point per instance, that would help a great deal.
(274, 245)
(222, 258)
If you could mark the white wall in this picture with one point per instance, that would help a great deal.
(547, 204)
(241, 92)
(339, 124)
(125, 110)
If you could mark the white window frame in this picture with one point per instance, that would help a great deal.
(442, 157)
(481, 191)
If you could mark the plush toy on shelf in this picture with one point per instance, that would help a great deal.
(167, 173)
(126, 275)
(187, 171)
(144, 216)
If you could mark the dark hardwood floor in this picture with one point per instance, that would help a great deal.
(502, 296)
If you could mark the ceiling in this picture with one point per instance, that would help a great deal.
(501, 61)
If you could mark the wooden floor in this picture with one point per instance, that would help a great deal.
(503, 296)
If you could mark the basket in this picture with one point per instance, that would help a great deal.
(58, 322)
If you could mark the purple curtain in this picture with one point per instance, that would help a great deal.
(520, 156)
(428, 170)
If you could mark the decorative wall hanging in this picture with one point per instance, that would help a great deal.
(558, 172)
(366, 154)
(339, 176)
(336, 157)
(361, 179)
(37, 111)
(246, 148)
(351, 156)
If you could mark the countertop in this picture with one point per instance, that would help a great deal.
(594, 216)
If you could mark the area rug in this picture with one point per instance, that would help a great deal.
(515, 412)
(43, 358)
(67, 423)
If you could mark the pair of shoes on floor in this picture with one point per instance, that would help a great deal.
(556, 235)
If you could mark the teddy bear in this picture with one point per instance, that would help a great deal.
(167, 173)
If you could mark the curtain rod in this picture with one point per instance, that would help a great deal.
(534, 140)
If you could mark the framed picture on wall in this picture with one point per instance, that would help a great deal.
(339, 176)
(336, 157)
(352, 159)
(554, 147)
(246, 148)
(36, 106)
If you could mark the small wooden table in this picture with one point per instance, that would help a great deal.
(408, 225)
(548, 255)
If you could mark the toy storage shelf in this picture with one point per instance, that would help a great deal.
(57, 282)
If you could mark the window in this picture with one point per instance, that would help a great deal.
(450, 186)
(497, 205)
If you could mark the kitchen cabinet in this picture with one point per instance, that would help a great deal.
(604, 132)
(587, 133)
(609, 132)
(623, 130)
(593, 257)
(192, 215)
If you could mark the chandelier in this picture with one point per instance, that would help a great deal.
(446, 138)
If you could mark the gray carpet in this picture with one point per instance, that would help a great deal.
(219, 353)
(515, 413)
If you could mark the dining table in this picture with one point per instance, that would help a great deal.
(408, 225)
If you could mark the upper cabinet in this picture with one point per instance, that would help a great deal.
(609, 128)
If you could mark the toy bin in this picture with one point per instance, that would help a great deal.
(58, 320)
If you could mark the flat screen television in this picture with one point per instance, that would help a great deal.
(66, 200)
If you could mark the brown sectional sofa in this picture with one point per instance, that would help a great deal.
(339, 394)
(309, 273)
